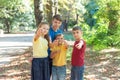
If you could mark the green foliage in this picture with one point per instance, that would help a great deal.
(15, 13)
(71, 23)
(106, 30)
(114, 40)
(91, 9)
(69, 53)
(95, 38)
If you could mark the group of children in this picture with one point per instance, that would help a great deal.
(40, 62)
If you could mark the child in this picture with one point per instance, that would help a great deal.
(40, 64)
(77, 59)
(54, 29)
(58, 55)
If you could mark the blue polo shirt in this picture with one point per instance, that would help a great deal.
(52, 35)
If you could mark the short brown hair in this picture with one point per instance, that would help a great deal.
(58, 17)
(76, 28)
(59, 34)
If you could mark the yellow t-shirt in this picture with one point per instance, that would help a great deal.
(40, 47)
(60, 58)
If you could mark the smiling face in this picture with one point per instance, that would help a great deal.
(56, 24)
(43, 29)
(77, 34)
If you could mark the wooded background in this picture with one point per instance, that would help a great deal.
(99, 19)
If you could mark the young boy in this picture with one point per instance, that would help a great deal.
(58, 55)
(54, 29)
(77, 59)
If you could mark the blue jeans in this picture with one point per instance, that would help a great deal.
(77, 73)
(58, 73)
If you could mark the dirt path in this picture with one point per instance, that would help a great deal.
(102, 66)
(13, 44)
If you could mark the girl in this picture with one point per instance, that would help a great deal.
(40, 64)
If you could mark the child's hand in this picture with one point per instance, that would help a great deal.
(55, 42)
(53, 54)
(65, 43)
(79, 45)
(38, 33)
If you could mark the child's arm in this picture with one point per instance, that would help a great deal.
(38, 33)
(80, 44)
(65, 43)
(36, 37)
(53, 54)
(54, 43)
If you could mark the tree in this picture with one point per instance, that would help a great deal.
(14, 13)
(111, 9)
(8, 11)
(48, 10)
(38, 11)
(91, 8)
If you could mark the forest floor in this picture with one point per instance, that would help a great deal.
(103, 65)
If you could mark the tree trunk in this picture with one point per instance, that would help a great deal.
(7, 25)
(49, 11)
(38, 11)
(55, 6)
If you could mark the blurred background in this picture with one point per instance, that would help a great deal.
(99, 19)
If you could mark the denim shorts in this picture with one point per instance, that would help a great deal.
(77, 72)
(58, 72)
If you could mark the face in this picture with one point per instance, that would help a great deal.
(77, 34)
(44, 29)
(56, 24)
(60, 39)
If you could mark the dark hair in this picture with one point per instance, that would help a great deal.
(46, 36)
(58, 17)
(59, 34)
(76, 28)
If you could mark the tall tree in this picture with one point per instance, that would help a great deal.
(15, 12)
(48, 10)
(38, 11)
(9, 9)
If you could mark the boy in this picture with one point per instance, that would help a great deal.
(77, 59)
(54, 29)
(58, 55)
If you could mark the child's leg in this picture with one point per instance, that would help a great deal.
(45, 70)
(36, 72)
(77, 73)
(54, 73)
(80, 73)
(61, 71)
(73, 73)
